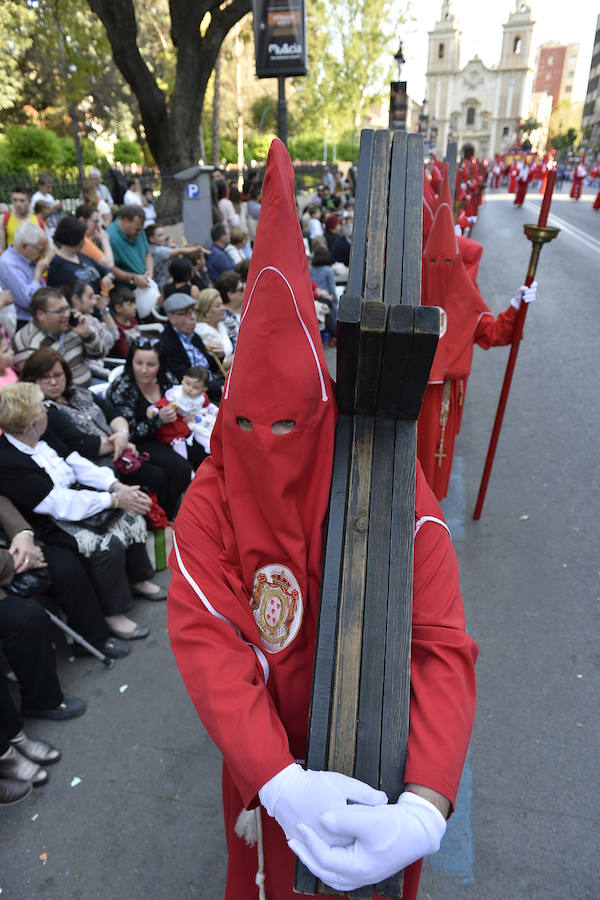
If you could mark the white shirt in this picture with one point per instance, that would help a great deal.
(210, 334)
(62, 502)
(131, 198)
(315, 228)
(150, 214)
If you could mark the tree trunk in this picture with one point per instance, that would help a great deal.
(202, 145)
(171, 122)
(239, 108)
(77, 141)
(216, 115)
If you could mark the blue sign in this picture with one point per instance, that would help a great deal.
(192, 190)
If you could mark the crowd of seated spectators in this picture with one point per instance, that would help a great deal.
(326, 218)
(114, 348)
(107, 402)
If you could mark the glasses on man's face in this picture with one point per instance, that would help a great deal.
(189, 313)
(49, 378)
(58, 312)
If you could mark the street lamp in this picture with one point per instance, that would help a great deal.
(424, 120)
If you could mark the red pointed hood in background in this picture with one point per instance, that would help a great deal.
(445, 195)
(470, 252)
(446, 284)
(429, 204)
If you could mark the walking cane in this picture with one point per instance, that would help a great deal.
(539, 235)
(77, 637)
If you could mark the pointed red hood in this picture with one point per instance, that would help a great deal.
(445, 195)
(429, 204)
(470, 252)
(446, 284)
(275, 487)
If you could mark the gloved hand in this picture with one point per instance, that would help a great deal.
(383, 840)
(527, 293)
(296, 797)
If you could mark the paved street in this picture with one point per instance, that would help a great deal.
(144, 820)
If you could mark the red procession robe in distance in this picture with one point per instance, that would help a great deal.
(579, 174)
(467, 321)
(523, 179)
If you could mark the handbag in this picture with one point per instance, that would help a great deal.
(29, 583)
(100, 521)
(128, 464)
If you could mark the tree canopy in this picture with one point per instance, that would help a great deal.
(128, 70)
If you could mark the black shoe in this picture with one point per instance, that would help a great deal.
(111, 646)
(140, 631)
(70, 708)
(160, 594)
(13, 790)
(13, 765)
(37, 751)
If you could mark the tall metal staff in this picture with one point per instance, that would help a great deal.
(539, 235)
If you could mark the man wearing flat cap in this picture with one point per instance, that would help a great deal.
(184, 348)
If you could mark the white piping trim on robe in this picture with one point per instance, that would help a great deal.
(425, 519)
(260, 655)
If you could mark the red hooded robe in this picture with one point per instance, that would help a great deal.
(244, 595)
(468, 320)
(579, 174)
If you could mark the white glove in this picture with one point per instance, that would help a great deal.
(383, 841)
(296, 796)
(527, 293)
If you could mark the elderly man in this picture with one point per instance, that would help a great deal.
(218, 260)
(134, 265)
(50, 327)
(22, 265)
(95, 178)
(184, 348)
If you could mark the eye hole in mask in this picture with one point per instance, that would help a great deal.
(283, 426)
(244, 423)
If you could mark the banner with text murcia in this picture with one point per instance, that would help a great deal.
(279, 37)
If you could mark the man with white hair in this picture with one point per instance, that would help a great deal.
(95, 176)
(22, 265)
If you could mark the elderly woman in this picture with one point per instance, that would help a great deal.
(211, 328)
(142, 384)
(82, 420)
(72, 503)
(238, 247)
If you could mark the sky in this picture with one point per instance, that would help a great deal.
(481, 26)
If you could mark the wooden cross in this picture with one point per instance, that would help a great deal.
(386, 344)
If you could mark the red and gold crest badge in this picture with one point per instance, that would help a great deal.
(277, 606)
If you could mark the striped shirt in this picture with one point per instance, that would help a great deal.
(74, 349)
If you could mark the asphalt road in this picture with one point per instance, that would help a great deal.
(144, 819)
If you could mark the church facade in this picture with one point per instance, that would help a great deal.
(477, 106)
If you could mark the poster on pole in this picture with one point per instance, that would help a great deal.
(279, 38)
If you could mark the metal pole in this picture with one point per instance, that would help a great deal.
(281, 110)
(539, 235)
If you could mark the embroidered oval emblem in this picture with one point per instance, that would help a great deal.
(443, 322)
(277, 606)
